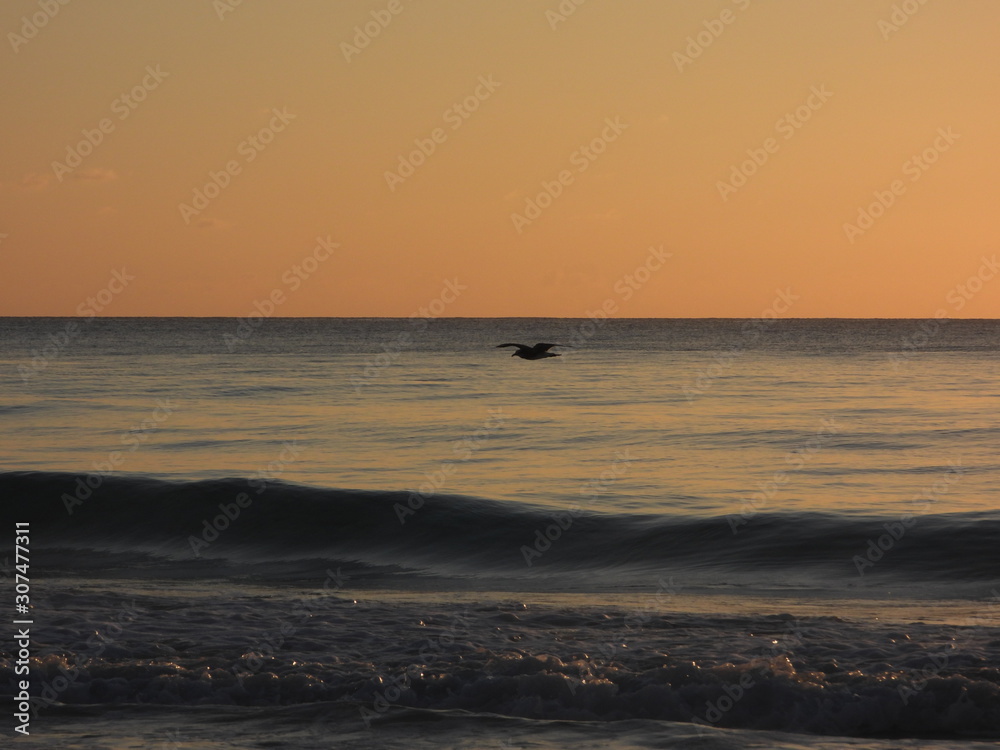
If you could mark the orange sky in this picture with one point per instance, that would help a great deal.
(631, 115)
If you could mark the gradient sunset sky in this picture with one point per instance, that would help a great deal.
(674, 101)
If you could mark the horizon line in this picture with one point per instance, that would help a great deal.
(461, 317)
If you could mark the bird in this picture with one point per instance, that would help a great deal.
(538, 351)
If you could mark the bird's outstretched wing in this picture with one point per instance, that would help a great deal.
(546, 347)
(519, 346)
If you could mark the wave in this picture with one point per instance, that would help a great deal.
(228, 526)
(763, 694)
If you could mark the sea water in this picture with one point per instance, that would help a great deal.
(391, 533)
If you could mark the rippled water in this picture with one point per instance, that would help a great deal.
(382, 533)
(856, 415)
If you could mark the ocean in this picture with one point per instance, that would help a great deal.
(389, 533)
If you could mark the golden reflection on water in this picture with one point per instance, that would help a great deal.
(685, 432)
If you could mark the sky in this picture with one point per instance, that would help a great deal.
(690, 158)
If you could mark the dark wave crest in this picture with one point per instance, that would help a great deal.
(229, 526)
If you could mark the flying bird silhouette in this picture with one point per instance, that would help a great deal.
(538, 351)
